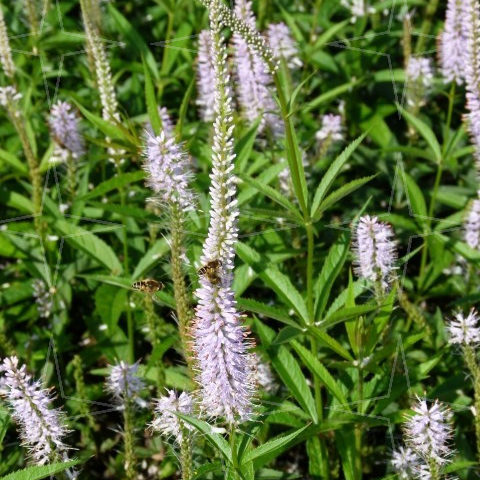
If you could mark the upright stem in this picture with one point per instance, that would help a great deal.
(430, 10)
(186, 455)
(130, 459)
(184, 313)
(471, 361)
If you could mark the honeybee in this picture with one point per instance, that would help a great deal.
(149, 285)
(210, 270)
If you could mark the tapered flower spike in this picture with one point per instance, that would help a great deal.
(5, 51)
(167, 170)
(283, 45)
(420, 69)
(123, 382)
(253, 78)
(472, 225)
(166, 421)
(464, 330)
(428, 432)
(471, 30)
(452, 44)
(64, 127)
(331, 129)
(404, 461)
(205, 77)
(225, 376)
(375, 251)
(42, 428)
(358, 8)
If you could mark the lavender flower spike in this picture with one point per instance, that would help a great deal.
(253, 78)
(404, 461)
(123, 381)
(429, 432)
(167, 167)
(283, 45)
(166, 421)
(452, 44)
(63, 122)
(225, 375)
(42, 428)
(206, 77)
(464, 330)
(472, 225)
(471, 30)
(331, 129)
(375, 251)
(5, 50)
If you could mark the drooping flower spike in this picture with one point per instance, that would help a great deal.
(225, 375)
(253, 77)
(42, 427)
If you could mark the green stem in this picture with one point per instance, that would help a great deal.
(471, 361)
(130, 460)
(186, 456)
(184, 313)
(430, 10)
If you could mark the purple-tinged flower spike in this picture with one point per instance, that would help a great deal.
(42, 427)
(471, 30)
(64, 128)
(404, 461)
(428, 432)
(472, 225)
(205, 77)
(420, 69)
(225, 375)
(263, 374)
(331, 130)
(166, 165)
(375, 251)
(166, 421)
(5, 50)
(253, 78)
(464, 330)
(43, 298)
(123, 382)
(283, 45)
(451, 44)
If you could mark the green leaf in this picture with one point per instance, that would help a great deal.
(13, 161)
(244, 146)
(330, 342)
(332, 172)
(426, 132)
(135, 40)
(268, 311)
(115, 183)
(415, 198)
(331, 268)
(207, 431)
(153, 256)
(89, 243)
(274, 195)
(291, 374)
(271, 449)
(331, 94)
(314, 365)
(39, 472)
(184, 106)
(151, 101)
(342, 192)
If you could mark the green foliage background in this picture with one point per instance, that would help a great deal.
(334, 415)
